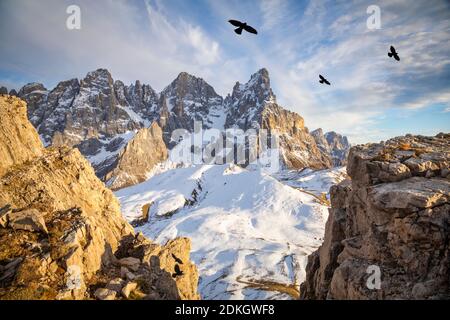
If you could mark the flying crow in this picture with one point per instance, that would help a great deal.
(178, 260)
(394, 54)
(178, 271)
(242, 26)
(323, 80)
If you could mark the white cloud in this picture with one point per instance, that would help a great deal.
(273, 13)
(150, 42)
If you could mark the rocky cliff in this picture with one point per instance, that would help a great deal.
(335, 145)
(393, 217)
(138, 158)
(62, 235)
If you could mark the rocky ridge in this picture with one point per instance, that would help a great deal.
(100, 116)
(393, 214)
(62, 235)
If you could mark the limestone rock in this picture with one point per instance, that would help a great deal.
(333, 144)
(16, 131)
(105, 294)
(161, 265)
(128, 288)
(116, 285)
(130, 263)
(4, 215)
(101, 117)
(55, 191)
(139, 156)
(253, 106)
(29, 220)
(394, 214)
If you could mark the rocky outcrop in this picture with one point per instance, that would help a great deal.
(139, 156)
(62, 235)
(254, 106)
(335, 145)
(394, 215)
(18, 141)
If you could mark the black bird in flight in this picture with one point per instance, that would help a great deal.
(242, 26)
(323, 80)
(394, 54)
(178, 271)
(178, 260)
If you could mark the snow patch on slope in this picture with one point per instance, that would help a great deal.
(245, 226)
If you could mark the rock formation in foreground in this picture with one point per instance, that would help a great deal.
(394, 214)
(62, 235)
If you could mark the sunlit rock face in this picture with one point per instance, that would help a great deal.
(62, 235)
(393, 215)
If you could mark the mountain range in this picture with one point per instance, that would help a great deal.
(102, 116)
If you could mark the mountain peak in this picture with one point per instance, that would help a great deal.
(100, 79)
(263, 72)
(32, 87)
(256, 89)
(184, 77)
(186, 83)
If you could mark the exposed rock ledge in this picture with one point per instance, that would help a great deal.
(394, 214)
(62, 235)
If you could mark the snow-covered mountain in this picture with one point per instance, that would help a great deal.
(101, 116)
(251, 233)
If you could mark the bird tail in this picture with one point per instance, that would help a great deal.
(321, 81)
(238, 30)
(390, 54)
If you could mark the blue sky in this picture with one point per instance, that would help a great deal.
(371, 98)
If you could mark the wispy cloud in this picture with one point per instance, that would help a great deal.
(154, 40)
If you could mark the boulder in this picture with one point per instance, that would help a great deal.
(105, 294)
(130, 263)
(128, 289)
(116, 284)
(29, 220)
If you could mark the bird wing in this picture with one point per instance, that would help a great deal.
(327, 82)
(250, 29)
(397, 57)
(392, 49)
(321, 77)
(235, 23)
